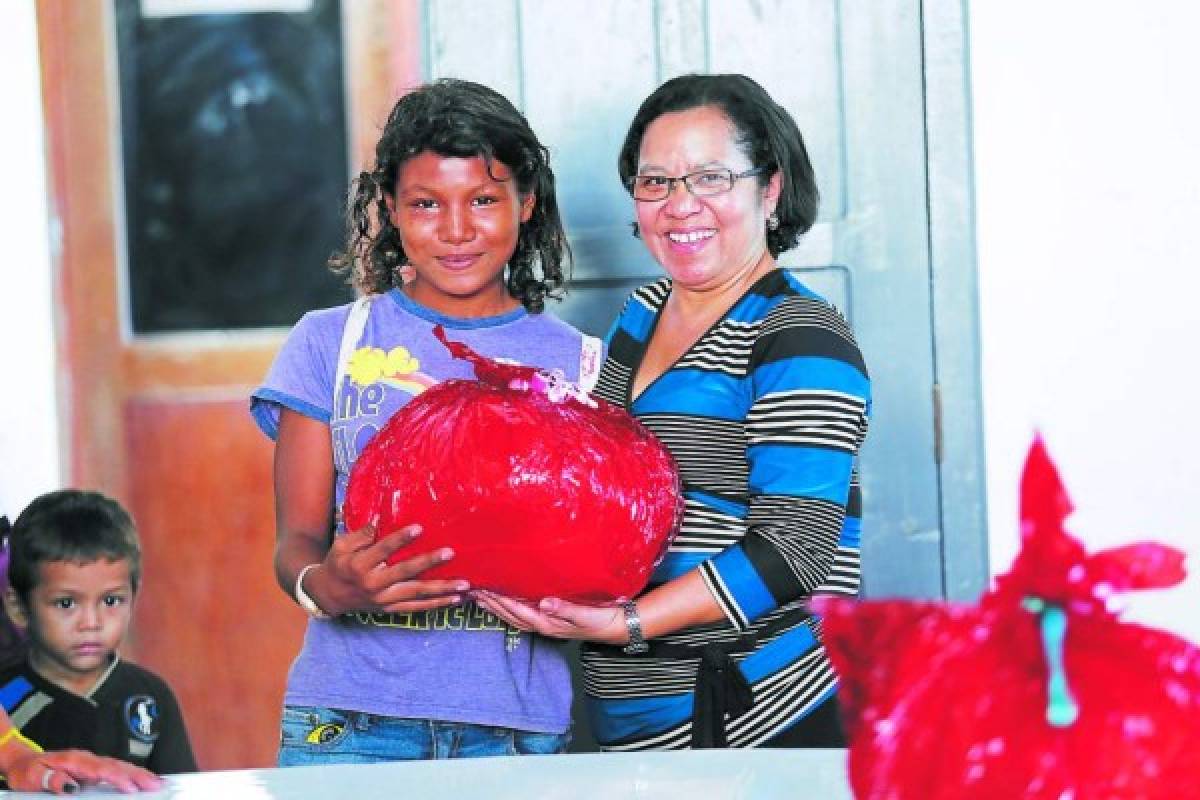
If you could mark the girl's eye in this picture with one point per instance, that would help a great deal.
(63, 602)
(486, 200)
(113, 600)
(423, 203)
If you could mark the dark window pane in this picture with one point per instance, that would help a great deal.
(234, 138)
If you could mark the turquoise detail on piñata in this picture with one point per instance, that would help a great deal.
(1061, 708)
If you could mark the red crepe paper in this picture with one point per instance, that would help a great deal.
(957, 701)
(540, 489)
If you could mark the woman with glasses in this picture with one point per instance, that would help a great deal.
(757, 387)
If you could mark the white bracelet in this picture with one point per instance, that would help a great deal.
(303, 600)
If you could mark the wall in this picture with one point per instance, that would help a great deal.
(29, 437)
(1087, 165)
(1087, 149)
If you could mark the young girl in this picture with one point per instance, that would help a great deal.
(461, 203)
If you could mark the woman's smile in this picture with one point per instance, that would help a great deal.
(691, 240)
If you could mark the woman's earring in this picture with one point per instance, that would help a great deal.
(637, 232)
(773, 222)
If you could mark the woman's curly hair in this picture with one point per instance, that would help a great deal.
(765, 132)
(456, 119)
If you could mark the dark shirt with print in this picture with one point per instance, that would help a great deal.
(130, 714)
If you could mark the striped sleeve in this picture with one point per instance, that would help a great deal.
(807, 419)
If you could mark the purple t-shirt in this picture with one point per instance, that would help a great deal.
(448, 664)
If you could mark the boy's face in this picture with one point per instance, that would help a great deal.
(77, 616)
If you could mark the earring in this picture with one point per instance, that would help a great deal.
(637, 232)
(773, 222)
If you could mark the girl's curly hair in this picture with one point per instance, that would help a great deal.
(456, 119)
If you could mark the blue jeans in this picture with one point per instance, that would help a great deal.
(311, 735)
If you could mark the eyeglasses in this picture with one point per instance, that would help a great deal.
(705, 183)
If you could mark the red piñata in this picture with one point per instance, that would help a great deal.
(540, 489)
(1038, 692)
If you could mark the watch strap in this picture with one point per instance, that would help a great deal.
(633, 625)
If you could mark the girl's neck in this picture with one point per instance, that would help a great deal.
(491, 303)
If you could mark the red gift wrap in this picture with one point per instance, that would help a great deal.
(540, 489)
(1038, 692)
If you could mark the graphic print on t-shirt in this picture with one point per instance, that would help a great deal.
(371, 371)
(396, 367)
(464, 617)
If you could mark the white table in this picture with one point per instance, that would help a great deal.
(694, 775)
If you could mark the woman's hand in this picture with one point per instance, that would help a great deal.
(355, 575)
(558, 618)
(64, 771)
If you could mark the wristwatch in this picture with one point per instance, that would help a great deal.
(303, 600)
(633, 624)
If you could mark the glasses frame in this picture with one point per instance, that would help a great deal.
(734, 177)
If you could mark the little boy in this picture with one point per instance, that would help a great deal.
(73, 572)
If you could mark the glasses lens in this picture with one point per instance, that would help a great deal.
(710, 181)
(650, 187)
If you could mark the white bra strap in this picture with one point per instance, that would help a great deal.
(356, 323)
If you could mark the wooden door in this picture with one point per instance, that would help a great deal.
(156, 413)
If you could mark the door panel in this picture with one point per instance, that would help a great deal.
(850, 74)
(209, 616)
(884, 240)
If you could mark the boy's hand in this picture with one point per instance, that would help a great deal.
(355, 575)
(65, 771)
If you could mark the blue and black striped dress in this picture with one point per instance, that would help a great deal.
(764, 415)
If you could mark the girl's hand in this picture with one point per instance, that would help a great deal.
(65, 771)
(355, 575)
(558, 618)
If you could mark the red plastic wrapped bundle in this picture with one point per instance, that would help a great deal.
(542, 490)
(1038, 692)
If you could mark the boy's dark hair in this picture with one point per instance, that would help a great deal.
(456, 119)
(765, 132)
(70, 525)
